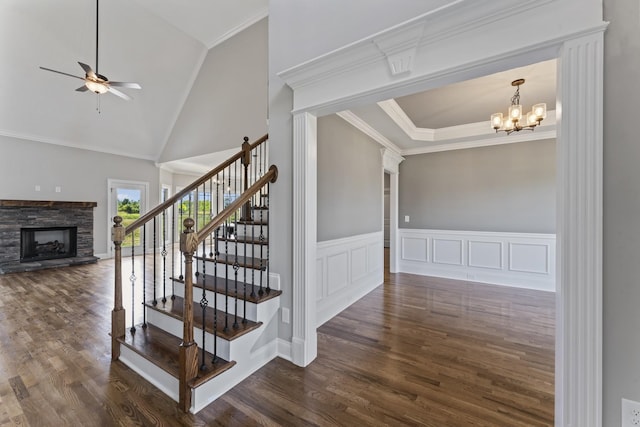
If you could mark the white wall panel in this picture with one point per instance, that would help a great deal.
(337, 271)
(529, 258)
(414, 249)
(351, 268)
(447, 251)
(524, 260)
(485, 254)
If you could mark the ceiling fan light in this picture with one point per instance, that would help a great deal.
(496, 121)
(96, 87)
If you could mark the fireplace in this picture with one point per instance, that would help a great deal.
(37, 244)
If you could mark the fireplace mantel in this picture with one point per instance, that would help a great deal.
(45, 204)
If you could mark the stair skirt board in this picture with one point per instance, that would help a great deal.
(216, 387)
(151, 372)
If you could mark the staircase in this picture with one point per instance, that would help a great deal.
(202, 303)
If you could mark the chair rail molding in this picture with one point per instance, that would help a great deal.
(474, 40)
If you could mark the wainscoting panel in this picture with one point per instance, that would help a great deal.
(347, 270)
(524, 260)
(447, 251)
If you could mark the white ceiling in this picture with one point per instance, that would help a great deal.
(161, 45)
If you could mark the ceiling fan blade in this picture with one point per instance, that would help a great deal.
(82, 88)
(125, 84)
(120, 94)
(87, 69)
(60, 72)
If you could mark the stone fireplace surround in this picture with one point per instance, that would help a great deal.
(17, 214)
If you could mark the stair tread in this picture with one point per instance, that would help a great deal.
(217, 284)
(231, 259)
(174, 308)
(252, 222)
(162, 349)
(255, 240)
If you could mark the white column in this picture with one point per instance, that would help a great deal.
(579, 234)
(391, 164)
(304, 346)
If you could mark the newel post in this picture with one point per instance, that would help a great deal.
(188, 348)
(246, 162)
(118, 313)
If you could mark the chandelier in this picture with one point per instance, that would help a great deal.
(513, 122)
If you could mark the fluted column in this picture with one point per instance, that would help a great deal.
(579, 233)
(304, 342)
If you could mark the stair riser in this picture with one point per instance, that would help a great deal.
(252, 309)
(174, 327)
(252, 230)
(249, 249)
(226, 271)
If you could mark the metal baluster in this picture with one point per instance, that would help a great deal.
(253, 271)
(210, 216)
(236, 267)
(244, 301)
(268, 228)
(164, 256)
(155, 298)
(144, 276)
(132, 278)
(226, 275)
(180, 211)
(203, 304)
(173, 251)
(215, 287)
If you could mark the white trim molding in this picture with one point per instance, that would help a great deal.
(304, 345)
(347, 269)
(522, 260)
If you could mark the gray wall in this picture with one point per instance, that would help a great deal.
(228, 99)
(81, 174)
(621, 207)
(349, 181)
(508, 188)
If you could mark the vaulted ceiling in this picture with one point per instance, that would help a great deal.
(157, 43)
(162, 44)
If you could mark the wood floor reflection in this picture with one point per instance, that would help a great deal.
(417, 351)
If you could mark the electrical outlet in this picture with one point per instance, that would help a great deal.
(58, 189)
(630, 413)
(406, 218)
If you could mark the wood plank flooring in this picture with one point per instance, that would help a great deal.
(417, 351)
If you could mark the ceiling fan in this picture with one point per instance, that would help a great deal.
(94, 81)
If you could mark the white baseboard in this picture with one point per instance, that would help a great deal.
(284, 349)
(347, 269)
(524, 260)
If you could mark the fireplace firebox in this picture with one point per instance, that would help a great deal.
(41, 243)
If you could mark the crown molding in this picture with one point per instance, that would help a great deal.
(62, 143)
(482, 142)
(261, 14)
(400, 118)
(365, 128)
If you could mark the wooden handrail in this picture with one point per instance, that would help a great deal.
(179, 195)
(270, 176)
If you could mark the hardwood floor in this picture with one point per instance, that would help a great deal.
(417, 351)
